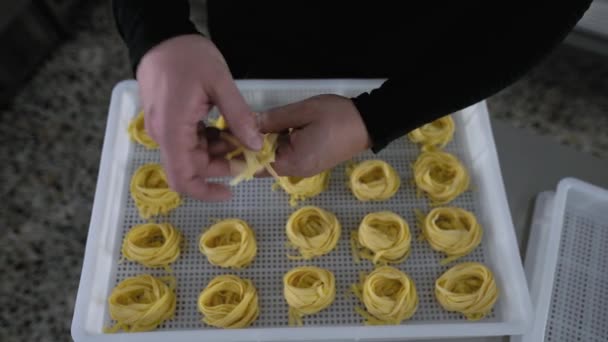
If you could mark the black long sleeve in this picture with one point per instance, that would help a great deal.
(466, 62)
(145, 23)
(438, 58)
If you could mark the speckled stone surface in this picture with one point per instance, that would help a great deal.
(50, 145)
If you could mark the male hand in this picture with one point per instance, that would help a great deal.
(327, 130)
(180, 80)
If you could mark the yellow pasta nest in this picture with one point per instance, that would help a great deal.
(229, 243)
(151, 193)
(229, 302)
(437, 133)
(389, 296)
(313, 231)
(441, 176)
(373, 180)
(383, 237)
(453, 231)
(255, 161)
(300, 188)
(308, 290)
(142, 303)
(468, 288)
(137, 132)
(152, 244)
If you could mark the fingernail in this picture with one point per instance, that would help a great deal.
(256, 141)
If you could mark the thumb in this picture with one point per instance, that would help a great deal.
(275, 120)
(240, 119)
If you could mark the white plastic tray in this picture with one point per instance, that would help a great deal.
(267, 211)
(567, 264)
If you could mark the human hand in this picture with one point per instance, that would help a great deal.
(327, 130)
(180, 80)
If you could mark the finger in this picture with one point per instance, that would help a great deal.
(283, 118)
(200, 189)
(235, 110)
(218, 167)
(219, 148)
(296, 156)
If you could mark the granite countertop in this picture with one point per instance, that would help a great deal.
(51, 140)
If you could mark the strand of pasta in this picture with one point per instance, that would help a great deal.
(137, 132)
(142, 303)
(308, 290)
(313, 231)
(229, 302)
(388, 294)
(255, 161)
(151, 193)
(437, 133)
(300, 188)
(440, 175)
(373, 180)
(229, 243)
(152, 244)
(468, 288)
(451, 230)
(383, 237)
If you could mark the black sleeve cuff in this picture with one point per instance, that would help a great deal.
(143, 24)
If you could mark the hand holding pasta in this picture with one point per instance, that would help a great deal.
(255, 161)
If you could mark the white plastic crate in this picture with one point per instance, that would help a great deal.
(567, 264)
(267, 211)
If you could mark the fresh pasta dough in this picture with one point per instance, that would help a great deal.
(219, 123)
(137, 132)
(373, 180)
(451, 230)
(440, 175)
(151, 193)
(308, 290)
(229, 243)
(300, 188)
(313, 231)
(468, 288)
(152, 244)
(389, 296)
(437, 133)
(255, 161)
(142, 303)
(383, 237)
(229, 302)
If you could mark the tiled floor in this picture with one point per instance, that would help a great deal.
(50, 143)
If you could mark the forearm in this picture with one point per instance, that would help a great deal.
(143, 24)
(467, 62)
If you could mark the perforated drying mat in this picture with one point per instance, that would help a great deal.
(267, 212)
(579, 302)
